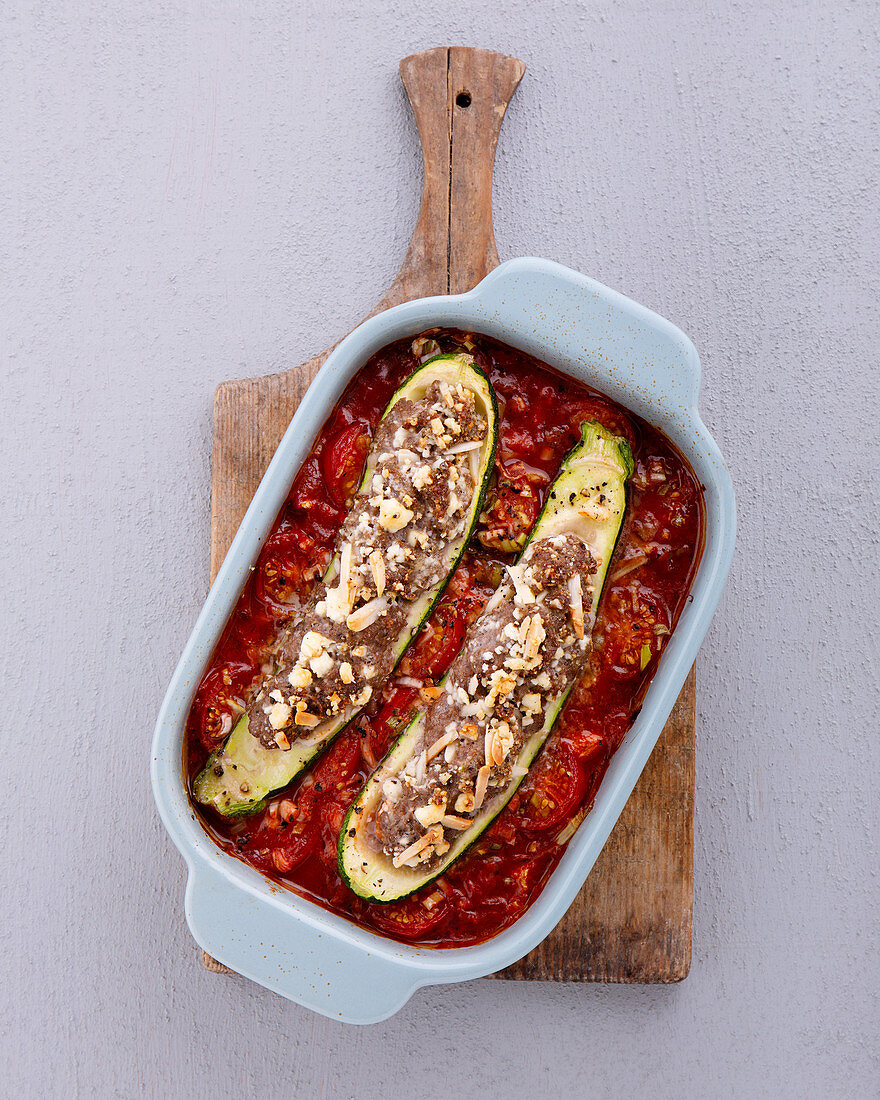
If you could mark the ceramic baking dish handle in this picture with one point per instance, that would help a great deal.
(254, 936)
(606, 340)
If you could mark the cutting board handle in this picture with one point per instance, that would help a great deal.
(459, 96)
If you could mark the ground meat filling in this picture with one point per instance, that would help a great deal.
(396, 544)
(529, 646)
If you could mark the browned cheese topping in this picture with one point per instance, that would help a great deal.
(396, 543)
(527, 648)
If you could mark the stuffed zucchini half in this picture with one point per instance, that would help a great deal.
(459, 762)
(418, 501)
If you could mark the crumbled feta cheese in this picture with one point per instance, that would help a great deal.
(337, 604)
(406, 458)
(321, 665)
(279, 716)
(300, 677)
(393, 516)
(312, 644)
(422, 477)
(430, 814)
(531, 703)
(392, 789)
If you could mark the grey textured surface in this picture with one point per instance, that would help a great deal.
(199, 191)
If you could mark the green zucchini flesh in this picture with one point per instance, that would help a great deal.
(240, 775)
(588, 500)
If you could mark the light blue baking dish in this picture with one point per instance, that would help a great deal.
(293, 946)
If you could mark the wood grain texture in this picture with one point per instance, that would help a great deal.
(632, 920)
(195, 191)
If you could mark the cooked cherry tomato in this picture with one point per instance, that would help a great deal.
(251, 630)
(278, 846)
(342, 462)
(381, 730)
(217, 704)
(288, 563)
(310, 504)
(410, 918)
(511, 515)
(339, 763)
(493, 884)
(636, 630)
(610, 416)
(586, 745)
(439, 641)
(552, 789)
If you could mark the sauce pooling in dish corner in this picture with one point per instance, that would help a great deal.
(294, 839)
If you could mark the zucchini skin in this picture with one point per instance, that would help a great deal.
(347, 850)
(207, 787)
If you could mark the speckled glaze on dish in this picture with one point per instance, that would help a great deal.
(289, 944)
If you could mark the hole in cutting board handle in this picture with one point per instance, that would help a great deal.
(463, 99)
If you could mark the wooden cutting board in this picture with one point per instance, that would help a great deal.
(632, 920)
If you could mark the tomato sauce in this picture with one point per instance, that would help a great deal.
(294, 839)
